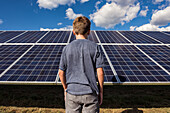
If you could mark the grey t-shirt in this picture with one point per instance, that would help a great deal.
(79, 60)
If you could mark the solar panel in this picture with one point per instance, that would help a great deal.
(1, 32)
(91, 37)
(72, 37)
(111, 37)
(130, 56)
(40, 64)
(10, 53)
(56, 37)
(108, 73)
(159, 36)
(159, 53)
(137, 37)
(167, 33)
(29, 37)
(132, 65)
(5, 36)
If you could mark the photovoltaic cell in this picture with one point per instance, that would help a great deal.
(108, 73)
(91, 37)
(159, 36)
(10, 53)
(29, 37)
(8, 35)
(167, 33)
(137, 37)
(73, 37)
(160, 53)
(132, 65)
(56, 37)
(39, 64)
(111, 37)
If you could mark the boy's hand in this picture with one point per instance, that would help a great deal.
(65, 95)
(100, 98)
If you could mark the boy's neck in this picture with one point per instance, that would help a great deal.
(81, 37)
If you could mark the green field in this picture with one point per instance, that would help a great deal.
(117, 98)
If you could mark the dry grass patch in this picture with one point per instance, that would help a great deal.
(10, 109)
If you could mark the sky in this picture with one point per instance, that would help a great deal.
(141, 15)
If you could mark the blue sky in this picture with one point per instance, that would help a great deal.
(104, 14)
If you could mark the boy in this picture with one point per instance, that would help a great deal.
(80, 60)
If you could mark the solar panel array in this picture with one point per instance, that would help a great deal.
(137, 37)
(132, 65)
(28, 37)
(8, 35)
(9, 54)
(91, 37)
(158, 36)
(131, 57)
(56, 37)
(111, 37)
(39, 64)
(167, 33)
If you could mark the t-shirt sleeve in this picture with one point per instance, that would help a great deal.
(99, 58)
(63, 65)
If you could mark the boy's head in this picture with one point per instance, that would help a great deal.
(81, 25)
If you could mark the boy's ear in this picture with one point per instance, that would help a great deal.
(88, 33)
(74, 32)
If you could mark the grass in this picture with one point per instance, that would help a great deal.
(10, 109)
(126, 99)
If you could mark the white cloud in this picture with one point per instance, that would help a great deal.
(161, 17)
(132, 12)
(144, 12)
(123, 2)
(50, 4)
(59, 24)
(158, 19)
(157, 1)
(149, 27)
(105, 17)
(55, 29)
(97, 3)
(82, 1)
(165, 28)
(71, 15)
(162, 6)
(1, 21)
(112, 13)
(132, 28)
(145, 27)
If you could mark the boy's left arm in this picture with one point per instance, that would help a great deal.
(63, 81)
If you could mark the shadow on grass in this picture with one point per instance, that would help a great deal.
(133, 110)
(116, 96)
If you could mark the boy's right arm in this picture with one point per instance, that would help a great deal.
(100, 76)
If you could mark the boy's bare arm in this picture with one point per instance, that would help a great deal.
(100, 76)
(63, 81)
(62, 78)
